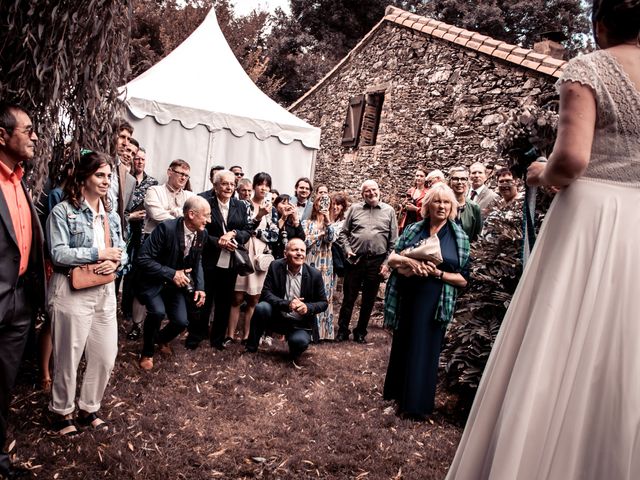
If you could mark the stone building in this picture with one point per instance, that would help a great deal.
(419, 92)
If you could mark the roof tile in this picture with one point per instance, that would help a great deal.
(517, 59)
(486, 49)
(450, 37)
(548, 70)
(439, 33)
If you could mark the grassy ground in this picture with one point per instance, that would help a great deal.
(209, 414)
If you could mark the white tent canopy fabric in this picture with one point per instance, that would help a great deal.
(198, 104)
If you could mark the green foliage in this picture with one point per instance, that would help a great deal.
(495, 271)
(63, 62)
(516, 21)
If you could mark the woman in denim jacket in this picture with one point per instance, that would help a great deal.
(83, 320)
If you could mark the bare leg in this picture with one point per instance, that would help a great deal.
(46, 348)
(234, 314)
(252, 301)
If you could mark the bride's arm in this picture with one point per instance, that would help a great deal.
(572, 149)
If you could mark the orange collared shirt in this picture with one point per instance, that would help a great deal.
(19, 209)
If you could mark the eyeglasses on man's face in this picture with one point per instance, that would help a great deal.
(239, 174)
(459, 179)
(181, 174)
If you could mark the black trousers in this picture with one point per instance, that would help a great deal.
(14, 330)
(363, 276)
(178, 306)
(219, 284)
(266, 318)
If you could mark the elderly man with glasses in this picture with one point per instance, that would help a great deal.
(469, 216)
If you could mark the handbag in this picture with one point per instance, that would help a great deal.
(261, 261)
(85, 276)
(426, 250)
(241, 261)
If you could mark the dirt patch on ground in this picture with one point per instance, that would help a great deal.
(209, 414)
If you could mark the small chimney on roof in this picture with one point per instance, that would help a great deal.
(549, 44)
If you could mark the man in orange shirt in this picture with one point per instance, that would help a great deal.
(21, 264)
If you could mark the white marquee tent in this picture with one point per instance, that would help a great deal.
(198, 104)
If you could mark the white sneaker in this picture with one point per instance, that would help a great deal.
(267, 340)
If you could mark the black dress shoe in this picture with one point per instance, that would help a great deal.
(191, 343)
(218, 346)
(342, 337)
(135, 333)
(359, 339)
(15, 473)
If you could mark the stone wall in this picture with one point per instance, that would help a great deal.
(441, 108)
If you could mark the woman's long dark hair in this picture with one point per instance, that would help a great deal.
(621, 18)
(89, 163)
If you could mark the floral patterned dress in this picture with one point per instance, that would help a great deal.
(318, 241)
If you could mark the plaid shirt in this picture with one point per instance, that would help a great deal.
(447, 303)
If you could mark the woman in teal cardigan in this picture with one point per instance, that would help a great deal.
(420, 301)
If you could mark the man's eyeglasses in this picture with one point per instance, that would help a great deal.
(30, 130)
(183, 175)
(459, 179)
(239, 174)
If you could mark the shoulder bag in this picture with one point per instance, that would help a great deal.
(85, 276)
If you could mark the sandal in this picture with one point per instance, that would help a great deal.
(92, 420)
(65, 427)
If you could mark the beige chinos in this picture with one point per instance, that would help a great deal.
(83, 321)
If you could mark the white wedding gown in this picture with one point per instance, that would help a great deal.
(560, 396)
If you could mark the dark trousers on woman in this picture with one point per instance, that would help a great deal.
(266, 319)
(14, 330)
(175, 304)
(219, 286)
(363, 276)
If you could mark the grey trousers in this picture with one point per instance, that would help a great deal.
(82, 321)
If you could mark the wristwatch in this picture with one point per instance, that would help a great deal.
(441, 274)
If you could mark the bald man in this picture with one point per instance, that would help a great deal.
(368, 236)
(292, 295)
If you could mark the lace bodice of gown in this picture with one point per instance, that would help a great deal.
(615, 154)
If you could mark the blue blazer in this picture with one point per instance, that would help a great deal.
(162, 253)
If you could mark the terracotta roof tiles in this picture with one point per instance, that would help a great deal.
(523, 57)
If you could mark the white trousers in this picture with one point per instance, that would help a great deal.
(82, 321)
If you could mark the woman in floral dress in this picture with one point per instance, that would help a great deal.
(319, 235)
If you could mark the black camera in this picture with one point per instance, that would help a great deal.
(189, 287)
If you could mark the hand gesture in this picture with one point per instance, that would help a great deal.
(228, 241)
(535, 173)
(106, 267)
(181, 279)
(112, 253)
(199, 298)
(297, 305)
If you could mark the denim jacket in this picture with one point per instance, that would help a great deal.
(70, 235)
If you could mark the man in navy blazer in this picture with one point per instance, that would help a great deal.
(229, 228)
(22, 286)
(170, 277)
(292, 295)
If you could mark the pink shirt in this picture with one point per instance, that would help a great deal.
(19, 209)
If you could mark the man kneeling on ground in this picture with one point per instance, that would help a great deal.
(293, 293)
(170, 277)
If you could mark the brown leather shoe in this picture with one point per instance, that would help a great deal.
(146, 363)
(165, 349)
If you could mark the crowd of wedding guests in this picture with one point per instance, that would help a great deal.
(241, 262)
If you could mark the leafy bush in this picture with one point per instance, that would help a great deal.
(496, 256)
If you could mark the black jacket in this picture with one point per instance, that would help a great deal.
(311, 290)
(162, 253)
(236, 220)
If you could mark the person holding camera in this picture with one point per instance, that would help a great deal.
(170, 261)
(289, 225)
(319, 237)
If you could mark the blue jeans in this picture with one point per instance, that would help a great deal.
(265, 318)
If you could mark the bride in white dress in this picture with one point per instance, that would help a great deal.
(560, 396)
